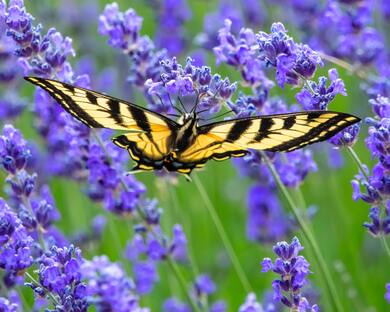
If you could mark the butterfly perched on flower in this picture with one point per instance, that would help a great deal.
(155, 141)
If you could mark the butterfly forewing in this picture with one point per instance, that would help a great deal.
(282, 132)
(147, 143)
(98, 110)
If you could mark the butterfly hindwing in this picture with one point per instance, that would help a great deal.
(147, 149)
(205, 147)
(281, 132)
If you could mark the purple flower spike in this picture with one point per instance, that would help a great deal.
(323, 94)
(174, 305)
(251, 304)
(109, 287)
(293, 270)
(14, 153)
(204, 285)
(291, 60)
(266, 221)
(387, 294)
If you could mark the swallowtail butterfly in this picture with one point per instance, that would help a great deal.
(155, 141)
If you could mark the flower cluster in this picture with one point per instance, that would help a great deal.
(34, 206)
(210, 90)
(244, 54)
(47, 55)
(148, 248)
(377, 192)
(123, 31)
(239, 13)
(293, 270)
(108, 181)
(108, 287)
(16, 245)
(171, 16)
(60, 276)
(11, 105)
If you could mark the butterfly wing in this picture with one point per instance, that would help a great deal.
(151, 132)
(276, 133)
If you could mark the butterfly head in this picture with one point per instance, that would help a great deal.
(188, 118)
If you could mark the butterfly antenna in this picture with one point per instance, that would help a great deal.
(181, 103)
(174, 115)
(177, 109)
(193, 110)
(215, 117)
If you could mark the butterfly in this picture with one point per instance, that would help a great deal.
(155, 141)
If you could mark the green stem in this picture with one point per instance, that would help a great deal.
(385, 245)
(222, 233)
(175, 205)
(359, 163)
(339, 62)
(309, 236)
(36, 283)
(183, 283)
(356, 158)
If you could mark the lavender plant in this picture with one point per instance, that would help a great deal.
(37, 257)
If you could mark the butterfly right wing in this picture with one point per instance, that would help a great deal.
(150, 134)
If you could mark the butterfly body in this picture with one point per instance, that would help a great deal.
(157, 142)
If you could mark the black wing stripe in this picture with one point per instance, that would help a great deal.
(314, 133)
(70, 106)
(238, 129)
(265, 124)
(140, 118)
(289, 122)
(115, 111)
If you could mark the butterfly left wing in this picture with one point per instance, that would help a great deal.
(276, 133)
(150, 134)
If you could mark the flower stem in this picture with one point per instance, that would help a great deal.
(359, 163)
(385, 245)
(339, 62)
(309, 236)
(53, 297)
(183, 283)
(222, 233)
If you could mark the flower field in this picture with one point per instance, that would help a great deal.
(302, 230)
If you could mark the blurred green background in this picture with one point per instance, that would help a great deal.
(337, 224)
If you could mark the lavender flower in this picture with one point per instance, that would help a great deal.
(13, 152)
(7, 306)
(266, 221)
(118, 191)
(171, 17)
(240, 53)
(108, 287)
(317, 96)
(376, 185)
(211, 90)
(251, 304)
(60, 275)
(204, 285)
(123, 30)
(293, 270)
(291, 60)
(387, 295)
(174, 305)
(16, 244)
